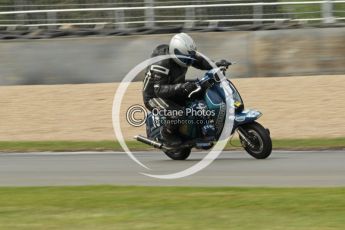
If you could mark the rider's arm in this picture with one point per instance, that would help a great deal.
(162, 86)
(201, 63)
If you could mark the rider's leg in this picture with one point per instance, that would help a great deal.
(170, 125)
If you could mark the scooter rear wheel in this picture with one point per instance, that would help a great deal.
(178, 154)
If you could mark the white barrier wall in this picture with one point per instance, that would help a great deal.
(108, 59)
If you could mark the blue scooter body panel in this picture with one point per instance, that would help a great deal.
(214, 99)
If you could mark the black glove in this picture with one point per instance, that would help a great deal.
(223, 63)
(188, 87)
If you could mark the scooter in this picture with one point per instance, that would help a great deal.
(201, 132)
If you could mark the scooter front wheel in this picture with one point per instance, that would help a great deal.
(178, 154)
(260, 146)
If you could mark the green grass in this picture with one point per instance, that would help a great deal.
(56, 146)
(31, 146)
(335, 143)
(305, 144)
(110, 207)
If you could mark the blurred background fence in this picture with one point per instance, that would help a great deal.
(157, 13)
(308, 37)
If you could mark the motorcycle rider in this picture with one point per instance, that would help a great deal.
(165, 86)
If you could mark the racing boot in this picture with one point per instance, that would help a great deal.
(170, 138)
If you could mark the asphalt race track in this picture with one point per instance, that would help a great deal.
(283, 168)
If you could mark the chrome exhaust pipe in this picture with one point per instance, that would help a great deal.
(147, 141)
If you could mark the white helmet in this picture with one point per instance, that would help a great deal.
(182, 45)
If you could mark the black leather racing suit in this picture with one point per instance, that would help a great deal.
(164, 80)
(163, 83)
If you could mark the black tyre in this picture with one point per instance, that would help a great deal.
(179, 154)
(260, 139)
